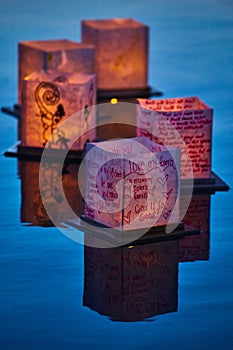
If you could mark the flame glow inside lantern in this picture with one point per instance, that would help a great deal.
(121, 52)
(62, 55)
(50, 97)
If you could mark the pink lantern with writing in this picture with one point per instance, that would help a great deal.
(132, 183)
(191, 118)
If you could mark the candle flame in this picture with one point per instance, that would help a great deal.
(114, 101)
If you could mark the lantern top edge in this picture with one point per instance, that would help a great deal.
(55, 45)
(59, 76)
(113, 23)
(113, 146)
(180, 103)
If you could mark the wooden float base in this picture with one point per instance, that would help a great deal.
(122, 238)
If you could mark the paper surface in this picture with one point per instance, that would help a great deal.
(191, 119)
(132, 183)
(63, 55)
(118, 66)
(48, 99)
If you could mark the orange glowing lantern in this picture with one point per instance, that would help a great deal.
(121, 52)
(191, 118)
(50, 97)
(62, 55)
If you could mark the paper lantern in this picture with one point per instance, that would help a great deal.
(121, 52)
(50, 97)
(63, 55)
(32, 208)
(192, 119)
(132, 183)
(132, 284)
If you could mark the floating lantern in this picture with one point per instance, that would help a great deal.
(191, 118)
(132, 183)
(121, 52)
(132, 283)
(49, 97)
(62, 55)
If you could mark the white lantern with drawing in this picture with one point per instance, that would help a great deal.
(132, 183)
(62, 55)
(50, 97)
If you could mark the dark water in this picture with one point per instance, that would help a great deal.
(42, 271)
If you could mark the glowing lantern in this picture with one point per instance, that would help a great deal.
(62, 55)
(121, 52)
(132, 183)
(191, 118)
(48, 98)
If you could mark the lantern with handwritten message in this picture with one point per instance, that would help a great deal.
(191, 118)
(63, 55)
(121, 52)
(132, 183)
(48, 98)
(131, 284)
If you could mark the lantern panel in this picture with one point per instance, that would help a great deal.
(62, 55)
(49, 98)
(121, 52)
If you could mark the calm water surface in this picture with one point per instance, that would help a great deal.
(45, 278)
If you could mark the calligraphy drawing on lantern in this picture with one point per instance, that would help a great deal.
(50, 97)
(132, 183)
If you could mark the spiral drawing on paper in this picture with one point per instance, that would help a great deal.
(47, 97)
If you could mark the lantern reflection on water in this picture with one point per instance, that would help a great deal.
(197, 247)
(32, 208)
(131, 283)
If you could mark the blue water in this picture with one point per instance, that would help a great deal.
(41, 270)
